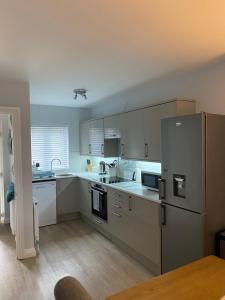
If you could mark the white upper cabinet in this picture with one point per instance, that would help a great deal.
(132, 135)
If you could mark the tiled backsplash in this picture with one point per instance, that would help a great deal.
(125, 167)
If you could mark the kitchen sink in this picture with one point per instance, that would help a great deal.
(64, 175)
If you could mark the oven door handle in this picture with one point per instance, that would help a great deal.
(101, 192)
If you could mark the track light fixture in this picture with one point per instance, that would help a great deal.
(80, 92)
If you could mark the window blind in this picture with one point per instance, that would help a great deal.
(48, 143)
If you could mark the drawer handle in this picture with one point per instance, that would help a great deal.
(117, 206)
(116, 214)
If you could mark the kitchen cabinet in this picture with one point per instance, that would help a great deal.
(132, 135)
(67, 201)
(85, 198)
(96, 137)
(112, 127)
(136, 222)
(84, 138)
(152, 117)
(94, 143)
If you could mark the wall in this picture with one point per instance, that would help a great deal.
(44, 114)
(205, 84)
(16, 94)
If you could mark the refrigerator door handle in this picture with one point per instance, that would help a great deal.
(163, 214)
(162, 189)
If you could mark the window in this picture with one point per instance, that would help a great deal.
(48, 143)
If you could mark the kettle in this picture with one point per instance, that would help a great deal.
(102, 168)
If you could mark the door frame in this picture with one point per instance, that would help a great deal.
(18, 173)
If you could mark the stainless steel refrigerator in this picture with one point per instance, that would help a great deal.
(192, 188)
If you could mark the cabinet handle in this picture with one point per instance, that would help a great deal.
(146, 150)
(122, 150)
(102, 149)
(116, 206)
(162, 188)
(130, 203)
(116, 214)
(163, 215)
(89, 148)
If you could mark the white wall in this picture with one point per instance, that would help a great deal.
(44, 114)
(205, 84)
(16, 94)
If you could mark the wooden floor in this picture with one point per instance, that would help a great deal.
(71, 248)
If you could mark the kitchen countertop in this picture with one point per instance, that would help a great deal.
(131, 187)
(203, 279)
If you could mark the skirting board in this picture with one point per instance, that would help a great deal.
(27, 253)
(5, 220)
(68, 217)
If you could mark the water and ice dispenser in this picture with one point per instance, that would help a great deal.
(179, 182)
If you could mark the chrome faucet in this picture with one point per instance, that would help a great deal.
(54, 160)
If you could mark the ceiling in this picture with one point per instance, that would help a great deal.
(104, 46)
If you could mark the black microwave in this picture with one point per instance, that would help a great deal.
(150, 180)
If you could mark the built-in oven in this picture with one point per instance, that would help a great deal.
(150, 180)
(99, 201)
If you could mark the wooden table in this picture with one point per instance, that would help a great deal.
(202, 279)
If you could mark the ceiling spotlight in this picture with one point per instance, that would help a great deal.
(80, 92)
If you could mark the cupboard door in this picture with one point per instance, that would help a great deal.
(152, 132)
(96, 133)
(144, 234)
(84, 138)
(152, 117)
(132, 138)
(85, 198)
(112, 127)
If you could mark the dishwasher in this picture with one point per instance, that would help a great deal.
(44, 193)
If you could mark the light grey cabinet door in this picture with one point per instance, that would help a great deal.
(136, 222)
(84, 138)
(96, 137)
(152, 132)
(117, 208)
(132, 135)
(85, 198)
(144, 228)
(112, 127)
(152, 117)
(183, 243)
(67, 199)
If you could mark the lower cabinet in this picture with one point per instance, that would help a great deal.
(67, 199)
(85, 198)
(136, 223)
(133, 224)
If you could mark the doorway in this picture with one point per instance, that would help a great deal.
(11, 205)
